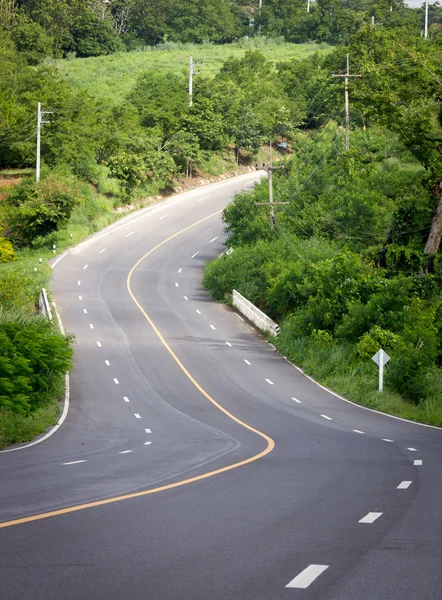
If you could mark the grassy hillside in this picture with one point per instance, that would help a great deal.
(112, 77)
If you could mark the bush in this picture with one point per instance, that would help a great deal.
(33, 210)
(33, 357)
(7, 253)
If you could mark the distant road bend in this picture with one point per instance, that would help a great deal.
(195, 462)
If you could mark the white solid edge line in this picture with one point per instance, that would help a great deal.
(296, 400)
(417, 463)
(370, 517)
(64, 414)
(326, 389)
(404, 485)
(307, 576)
(74, 462)
(58, 260)
(239, 316)
(326, 417)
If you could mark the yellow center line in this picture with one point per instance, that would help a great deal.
(270, 443)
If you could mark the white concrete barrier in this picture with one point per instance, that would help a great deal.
(43, 305)
(255, 315)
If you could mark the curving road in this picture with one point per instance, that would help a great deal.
(195, 462)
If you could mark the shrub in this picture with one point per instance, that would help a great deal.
(7, 253)
(34, 210)
(33, 357)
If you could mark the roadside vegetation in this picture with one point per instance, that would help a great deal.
(351, 263)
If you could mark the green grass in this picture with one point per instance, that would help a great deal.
(20, 172)
(16, 428)
(112, 77)
(331, 366)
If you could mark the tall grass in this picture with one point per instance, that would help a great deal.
(112, 77)
(332, 365)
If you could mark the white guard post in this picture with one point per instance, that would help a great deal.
(381, 358)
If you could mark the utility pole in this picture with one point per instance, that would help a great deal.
(40, 122)
(308, 6)
(270, 203)
(259, 16)
(426, 20)
(272, 213)
(347, 112)
(192, 72)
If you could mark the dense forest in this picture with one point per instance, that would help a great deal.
(93, 27)
(351, 262)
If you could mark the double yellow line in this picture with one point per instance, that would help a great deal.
(270, 443)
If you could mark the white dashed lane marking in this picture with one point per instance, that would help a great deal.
(198, 311)
(412, 449)
(269, 382)
(370, 517)
(212, 327)
(215, 238)
(147, 431)
(326, 417)
(91, 326)
(163, 217)
(205, 198)
(177, 284)
(147, 443)
(229, 344)
(296, 400)
(101, 251)
(179, 270)
(307, 576)
(128, 234)
(80, 298)
(387, 440)
(417, 463)
(125, 452)
(247, 362)
(185, 298)
(137, 416)
(74, 462)
(78, 282)
(404, 485)
(358, 431)
(85, 311)
(196, 253)
(85, 267)
(99, 344)
(116, 381)
(107, 363)
(126, 399)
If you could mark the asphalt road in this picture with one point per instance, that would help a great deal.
(197, 463)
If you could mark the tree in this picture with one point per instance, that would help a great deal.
(130, 169)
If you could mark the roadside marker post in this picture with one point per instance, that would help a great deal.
(381, 358)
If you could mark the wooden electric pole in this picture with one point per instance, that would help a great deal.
(347, 112)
